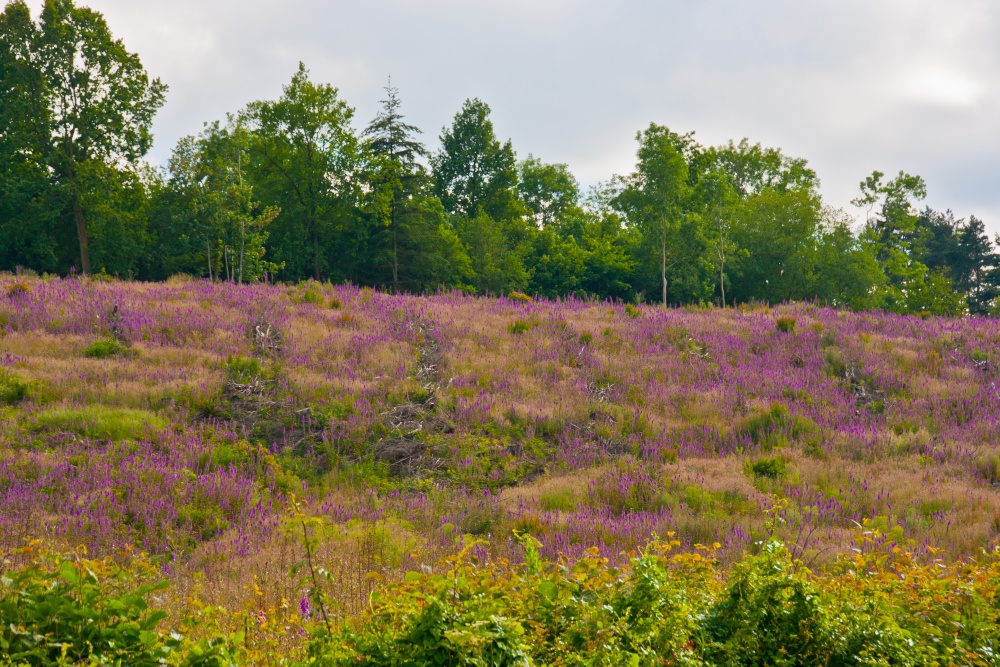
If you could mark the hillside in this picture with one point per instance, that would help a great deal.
(182, 418)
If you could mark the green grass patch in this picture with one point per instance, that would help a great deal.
(12, 388)
(519, 327)
(770, 468)
(243, 370)
(562, 500)
(106, 348)
(98, 422)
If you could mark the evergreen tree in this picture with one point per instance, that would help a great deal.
(410, 226)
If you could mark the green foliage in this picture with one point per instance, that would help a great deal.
(877, 607)
(286, 188)
(987, 466)
(99, 422)
(660, 608)
(475, 173)
(12, 388)
(106, 348)
(243, 370)
(70, 610)
(768, 616)
(520, 297)
(772, 468)
(87, 107)
(549, 191)
(762, 426)
(519, 327)
(785, 324)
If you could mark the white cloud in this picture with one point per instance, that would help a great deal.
(852, 85)
(942, 86)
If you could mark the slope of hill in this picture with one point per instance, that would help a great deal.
(180, 419)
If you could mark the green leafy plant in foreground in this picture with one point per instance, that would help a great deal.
(656, 607)
(66, 610)
(664, 608)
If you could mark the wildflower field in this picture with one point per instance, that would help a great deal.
(265, 474)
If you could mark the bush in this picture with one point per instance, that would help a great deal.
(987, 467)
(69, 610)
(519, 327)
(520, 297)
(20, 288)
(632, 311)
(660, 608)
(768, 468)
(786, 324)
(311, 296)
(765, 429)
(106, 348)
(12, 388)
(243, 370)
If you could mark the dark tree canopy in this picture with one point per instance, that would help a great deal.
(86, 100)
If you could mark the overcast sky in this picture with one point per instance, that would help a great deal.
(850, 85)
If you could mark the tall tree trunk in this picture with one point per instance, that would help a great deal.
(243, 236)
(663, 265)
(315, 240)
(395, 251)
(722, 278)
(722, 263)
(81, 232)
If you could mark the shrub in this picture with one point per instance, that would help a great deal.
(106, 348)
(311, 296)
(12, 388)
(335, 304)
(519, 327)
(987, 467)
(768, 615)
(66, 610)
(761, 427)
(786, 324)
(17, 289)
(243, 370)
(659, 608)
(520, 297)
(772, 468)
(632, 311)
(834, 366)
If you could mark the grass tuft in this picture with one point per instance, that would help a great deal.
(99, 422)
(106, 348)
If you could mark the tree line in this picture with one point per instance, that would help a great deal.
(288, 189)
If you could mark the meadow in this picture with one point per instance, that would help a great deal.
(294, 457)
